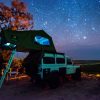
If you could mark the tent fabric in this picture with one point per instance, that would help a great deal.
(25, 40)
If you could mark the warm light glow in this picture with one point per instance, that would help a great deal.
(98, 75)
(90, 76)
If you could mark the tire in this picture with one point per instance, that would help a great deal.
(62, 74)
(77, 75)
(53, 80)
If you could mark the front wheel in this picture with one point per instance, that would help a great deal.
(77, 75)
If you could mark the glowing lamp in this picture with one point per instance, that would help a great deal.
(7, 44)
(10, 45)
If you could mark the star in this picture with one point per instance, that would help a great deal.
(69, 19)
(84, 37)
(93, 28)
(45, 23)
(85, 19)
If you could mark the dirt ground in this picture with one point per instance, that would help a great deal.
(86, 89)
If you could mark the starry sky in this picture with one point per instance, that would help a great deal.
(73, 24)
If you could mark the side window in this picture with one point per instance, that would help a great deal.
(69, 62)
(60, 60)
(48, 60)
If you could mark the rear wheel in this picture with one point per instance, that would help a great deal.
(53, 79)
(62, 75)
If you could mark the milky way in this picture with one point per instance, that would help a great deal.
(73, 24)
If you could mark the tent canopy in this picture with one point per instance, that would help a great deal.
(26, 41)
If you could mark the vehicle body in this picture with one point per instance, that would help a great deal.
(56, 62)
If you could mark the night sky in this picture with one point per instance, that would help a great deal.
(73, 24)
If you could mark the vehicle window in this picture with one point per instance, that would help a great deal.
(69, 61)
(60, 60)
(48, 60)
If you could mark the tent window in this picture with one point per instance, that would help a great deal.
(42, 40)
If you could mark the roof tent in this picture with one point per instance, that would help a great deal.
(25, 41)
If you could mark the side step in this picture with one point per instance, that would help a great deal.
(7, 68)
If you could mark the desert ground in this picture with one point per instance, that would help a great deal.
(88, 88)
